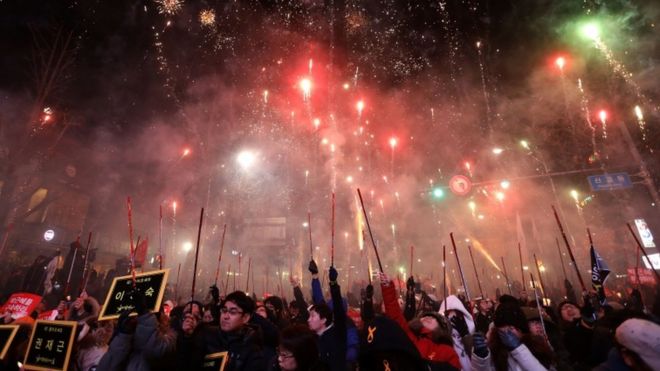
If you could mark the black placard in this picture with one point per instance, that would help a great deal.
(150, 284)
(215, 361)
(50, 345)
(7, 333)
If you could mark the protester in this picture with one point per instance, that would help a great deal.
(236, 336)
(298, 350)
(430, 332)
(462, 328)
(510, 346)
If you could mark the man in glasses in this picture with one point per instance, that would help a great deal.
(236, 336)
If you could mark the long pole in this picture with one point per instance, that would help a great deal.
(247, 281)
(570, 251)
(476, 273)
(561, 259)
(160, 237)
(227, 281)
(199, 237)
(412, 254)
(222, 247)
(176, 285)
(460, 267)
(373, 242)
(332, 243)
(639, 245)
(444, 273)
(83, 280)
(309, 226)
(522, 268)
(506, 276)
(73, 262)
(538, 304)
(129, 207)
(538, 271)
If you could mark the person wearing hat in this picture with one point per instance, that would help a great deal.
(637, 347)
(430, 332)
(509, 345)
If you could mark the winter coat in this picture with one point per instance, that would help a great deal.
(427, 348)
(462, 346)
(614, 362)
(244, 348)
(520, 359)
(352, 336)
(88, 359)
(137, 351)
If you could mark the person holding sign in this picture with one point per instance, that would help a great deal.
(138, 341)
(235, 335)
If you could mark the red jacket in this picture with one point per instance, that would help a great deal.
(427, 348)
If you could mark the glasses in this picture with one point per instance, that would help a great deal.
(284, 355)
(232, 311)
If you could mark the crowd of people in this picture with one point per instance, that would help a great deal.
(390, 328)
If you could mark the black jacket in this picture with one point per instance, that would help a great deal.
(244, 347)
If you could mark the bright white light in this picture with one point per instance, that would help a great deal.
(497, 150)
(505, 184)
(524, 143)
(246, 159)
(305, 224)
(187, 246)
(49, 235)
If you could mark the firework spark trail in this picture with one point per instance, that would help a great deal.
(483, 86)
(584, 105)
(641, 123)
(620, 69)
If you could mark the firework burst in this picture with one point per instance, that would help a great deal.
(207, 17)
(170, 7)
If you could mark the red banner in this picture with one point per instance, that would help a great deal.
(645, 276)
(49, 315)
(21, 304)
(141, 253)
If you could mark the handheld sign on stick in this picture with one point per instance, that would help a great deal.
(50, 345)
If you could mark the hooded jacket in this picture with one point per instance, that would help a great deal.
(520, 359)
(427, 348)
(454, 303)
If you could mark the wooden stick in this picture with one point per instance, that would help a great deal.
(522, 269)
(176, 285)
(373, 242)
(83, 280)
(199, 238)
(311, 245)
(570, 251)
(412, 257)
(247, 282)
(506, 276)
(444, 273)
(332, 244)
(222, 247)
(160, 237)
(538, 271)
(561, 259)
(460, 267)
(130, 237)
(476, 273)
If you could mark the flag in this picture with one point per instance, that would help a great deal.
(599, 273)
(141, 252)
